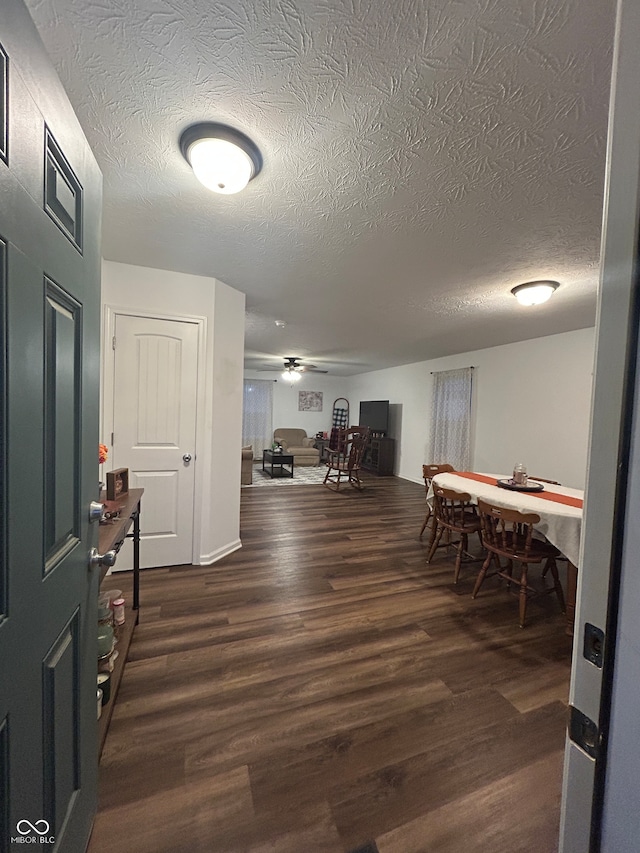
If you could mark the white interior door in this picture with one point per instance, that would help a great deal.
(154, 429)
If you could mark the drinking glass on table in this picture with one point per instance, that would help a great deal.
(519, 474)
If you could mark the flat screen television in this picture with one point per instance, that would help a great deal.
(375, 415)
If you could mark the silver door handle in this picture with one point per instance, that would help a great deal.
(187, 457)
(106, 559)
(95, 511)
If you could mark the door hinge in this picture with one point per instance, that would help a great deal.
(113, 342)
(111, 439)
(584, 732)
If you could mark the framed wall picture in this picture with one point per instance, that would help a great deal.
(117, 483)
(309, 401)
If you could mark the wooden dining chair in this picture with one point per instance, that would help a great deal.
(552, 483)
(428, 473)
(454, 514)
(508, 534)
(344, 462)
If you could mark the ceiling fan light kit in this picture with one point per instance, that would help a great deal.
(223, 159)
(534, 292)
(294, 368)
(291, 375)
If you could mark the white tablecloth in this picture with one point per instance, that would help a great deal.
(559, 523)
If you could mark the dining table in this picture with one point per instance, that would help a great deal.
(558, 507)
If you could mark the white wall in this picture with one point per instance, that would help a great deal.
(285, 400)
(219, 430)
(222, 516)
(531, 404)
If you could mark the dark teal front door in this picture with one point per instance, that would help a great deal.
(50, 200)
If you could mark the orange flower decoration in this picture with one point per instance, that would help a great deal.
(103, 453)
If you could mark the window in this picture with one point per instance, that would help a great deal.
(257, 419)
(450, 439)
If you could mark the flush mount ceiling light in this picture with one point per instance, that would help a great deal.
(223, 159)
(534, 292)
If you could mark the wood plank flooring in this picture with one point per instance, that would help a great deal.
(323, 688)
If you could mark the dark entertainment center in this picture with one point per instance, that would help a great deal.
(379, 457)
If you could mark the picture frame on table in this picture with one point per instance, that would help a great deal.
(117, 483)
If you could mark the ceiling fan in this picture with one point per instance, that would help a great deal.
(294, 367)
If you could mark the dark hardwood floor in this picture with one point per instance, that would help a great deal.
(323, 687)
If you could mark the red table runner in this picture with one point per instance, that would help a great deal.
(545, 495)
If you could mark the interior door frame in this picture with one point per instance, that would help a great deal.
(605, 508)
(107, 392)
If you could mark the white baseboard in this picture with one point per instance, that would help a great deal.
(219, 553)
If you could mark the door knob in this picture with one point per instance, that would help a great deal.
(95, 511)
(187, 457)
(106, 559)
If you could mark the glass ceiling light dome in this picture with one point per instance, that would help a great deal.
(224, 160)
(291, 375)
(534, 292)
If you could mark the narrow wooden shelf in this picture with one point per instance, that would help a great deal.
(111, 538)
(125, 636)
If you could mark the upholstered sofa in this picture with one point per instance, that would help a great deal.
(297, 444)
(246, 469)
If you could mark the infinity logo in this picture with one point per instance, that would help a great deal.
(32, 827)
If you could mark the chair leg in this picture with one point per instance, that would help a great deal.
(462, 548)
(508, 570)
(482, 574)
(435, 540)
(551, 565)
(434, 530)
(523, 594)
(426, 521)
(354, 479)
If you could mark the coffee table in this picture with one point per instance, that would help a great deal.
(276, 463)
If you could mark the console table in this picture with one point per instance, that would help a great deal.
(111, 537)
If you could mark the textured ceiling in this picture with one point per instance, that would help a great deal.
(421, 158)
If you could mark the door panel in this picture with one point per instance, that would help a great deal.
(162, 503)
(61, 720)
(62, 422)
(155, 382)
(49, 312)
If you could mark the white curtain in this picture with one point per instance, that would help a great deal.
(450, 439)
(257, 415)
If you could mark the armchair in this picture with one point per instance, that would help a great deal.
(246, 467)
(299, 445)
